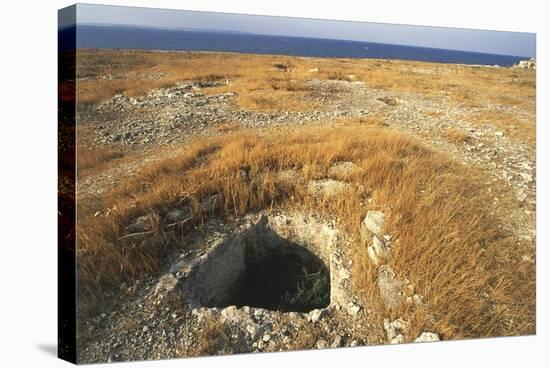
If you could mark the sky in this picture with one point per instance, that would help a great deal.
(493, 42)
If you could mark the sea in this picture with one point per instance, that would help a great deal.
(127, 37)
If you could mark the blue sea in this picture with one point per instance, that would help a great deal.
(125, 37)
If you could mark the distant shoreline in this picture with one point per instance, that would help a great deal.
(117, 37)
(284, 55)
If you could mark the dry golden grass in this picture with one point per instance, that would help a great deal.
(511, 124)
(96, 159)
(448, 240)
(367, 121)
(266, 82)
(264, 86)
(213, 339)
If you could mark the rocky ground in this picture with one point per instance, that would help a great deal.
(174, 115)
(162, 317)
(165, 326)
(149, 125)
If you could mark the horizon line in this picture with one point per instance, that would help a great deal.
(196, 29)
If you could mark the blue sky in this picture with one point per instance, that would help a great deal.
(495, 42)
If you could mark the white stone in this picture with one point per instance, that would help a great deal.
(353, 309)
(395, 329)
(372, 255)
(329, 188)
(374, 222)
(377, 251)
(166, 284)
(315, 315)
(258, 313)
(399, 339)
(427, 337)
(230, 313)
(343, 170)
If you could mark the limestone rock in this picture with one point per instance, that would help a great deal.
(374, 222)
(527, 64)
(395, 330)
(288, 178)
(427, 337)
(329, 188)
(399, 339)
(143, 223)
(166, 284)
(389, 287)
(230, 313)
(353, 309)
(377, 251)
(204, 313)
(343, 170)
(315, 315)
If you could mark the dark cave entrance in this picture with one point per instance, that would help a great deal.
(264, 270)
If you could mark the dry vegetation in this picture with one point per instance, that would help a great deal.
(96, 159)
(279, 82)
(510, 123)
(450, 244)
(449, 222)
(212, 340)
(457, 135)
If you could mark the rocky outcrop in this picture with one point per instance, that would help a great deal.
(396, 330)
(526, 64)
(390, 288)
